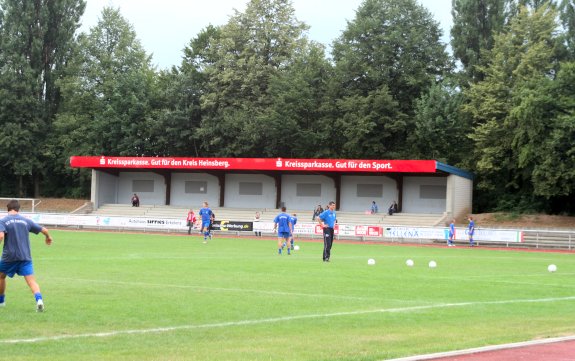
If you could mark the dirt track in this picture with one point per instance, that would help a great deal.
(560, 349)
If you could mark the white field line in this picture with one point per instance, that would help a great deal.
(272, 320)
(469, 351)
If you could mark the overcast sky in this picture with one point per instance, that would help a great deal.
(165, 27)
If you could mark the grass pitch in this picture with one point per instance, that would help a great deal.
(115, 296)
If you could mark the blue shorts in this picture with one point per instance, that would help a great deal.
(206, 224)
(283, 234)
(22, 268)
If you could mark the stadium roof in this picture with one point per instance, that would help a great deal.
(267, 164)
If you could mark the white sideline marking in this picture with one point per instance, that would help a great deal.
(484, 349)
(272, 320)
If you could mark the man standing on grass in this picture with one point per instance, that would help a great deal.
(206, 215)
(470, 231)
(451, 234)
(284, 226)
(327, 220)
(16, 255)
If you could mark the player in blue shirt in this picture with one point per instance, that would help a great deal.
(206, 215)
(282, 222)
(327, 220)
(471, 231)
(16, 254)
(293, 220)
(451, 233)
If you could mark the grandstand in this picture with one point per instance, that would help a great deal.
(247, 214)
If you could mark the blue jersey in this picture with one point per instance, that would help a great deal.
(206, 215)
(283, 220)
(16, 239)
(293, 220)
(471, 227)
(328, 217)
(452, 229)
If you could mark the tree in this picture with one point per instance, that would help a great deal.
(441, 129)
(475, 23)
(244, 59)
(567, 15)
(296, 119)
(108, 91)
(36, 39)
(177, 104)
(385, 59)
(513, 108)
(554, 174)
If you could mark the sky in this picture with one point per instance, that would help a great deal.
(165, 27)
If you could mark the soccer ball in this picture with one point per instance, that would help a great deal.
(296, 248)
(371, 261)
(409, 263)
(552, 268)
(432, 264)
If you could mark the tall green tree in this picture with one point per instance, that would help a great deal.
(248, 54)
(301, 107)
(567, 15)
(36, 41)
(441, 130)
(177, 105)
(108, 92)
(385, 59)
(513, 108)
(475, 23)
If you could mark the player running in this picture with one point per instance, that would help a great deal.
(282, 222)
(16, 255)
(293, 220)
(205, 214)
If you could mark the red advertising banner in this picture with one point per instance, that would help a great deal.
(280, 164)
(369, 231)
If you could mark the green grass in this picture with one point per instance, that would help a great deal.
(236, 299)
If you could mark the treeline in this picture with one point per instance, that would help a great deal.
(502, 105)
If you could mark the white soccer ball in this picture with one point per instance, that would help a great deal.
(296, 248)
(432, 264)
(552, 268)
(371, 261)
(409, 263)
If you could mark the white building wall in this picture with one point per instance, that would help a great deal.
(104, 188)
(462, 196)
(294, 202)
(412, 201)
(125, 191)
(178, 194)
(234, 199)
(351, 202)
(107, 188)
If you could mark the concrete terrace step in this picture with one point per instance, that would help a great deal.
(247, 214)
